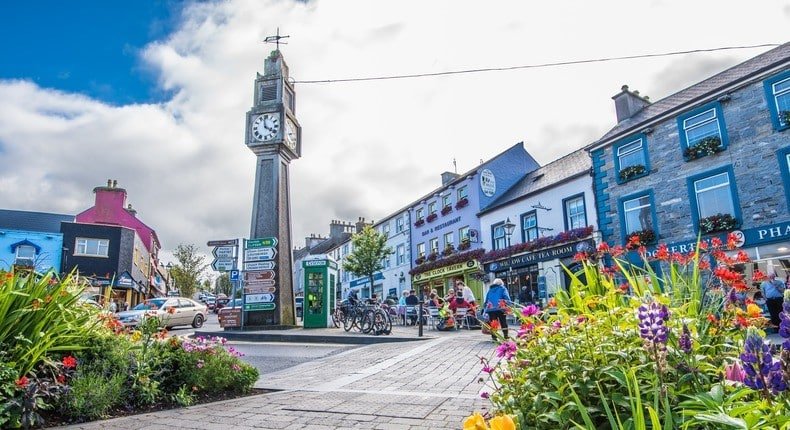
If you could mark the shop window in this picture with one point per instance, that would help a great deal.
(92, 247)
(714, 200)
(575, 214)
(777, 94)
(529, 226)
(498, 238)
(631, 159)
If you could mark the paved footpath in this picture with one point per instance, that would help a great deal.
(430, 384)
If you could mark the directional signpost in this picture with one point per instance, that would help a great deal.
(259, 277)
(223, 265)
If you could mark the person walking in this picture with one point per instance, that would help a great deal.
(773, 291)
(496, 305)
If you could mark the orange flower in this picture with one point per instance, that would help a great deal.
(704, 264)
(662, 253)
(740, 286)
(502, 422)
(712, 318)
(22, 382)
(715, 242)
(47, 299)
(633, 242)
(603, 247)
(758, 276)
(69, 362)
(552, 302)
(754, 311)
(742, 257)
(732, 241)
(741, 321)
(36, 303)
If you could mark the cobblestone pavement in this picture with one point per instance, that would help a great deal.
(414, 385)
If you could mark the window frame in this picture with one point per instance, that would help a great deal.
(465, 193)
(418, 214)
(433, 241)
(565, 210)
(692, 193)
(446, 201)
(494, 237)
(33, 248)
(400, 254)
(523, 217)
(432, 207)
(421, 254)
(645, 156)
(783, 156)
(770, 98)
(399, 224)
(622, 215)
(716, 107)
(385, 229)
(98, 247)
(462, 236)
(452, 240)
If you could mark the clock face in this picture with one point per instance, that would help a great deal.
(290, 134)
(266, 126)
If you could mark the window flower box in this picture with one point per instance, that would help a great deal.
(784, 117)
(641, 238)
(464, 245)
(539, 243)
(631, 172)
(462, 203)
(419, 260)
(718, 222)
(448, 250)
(419, 222)
(446, 210)
(432, 256)
(432, 217)
(707, 146)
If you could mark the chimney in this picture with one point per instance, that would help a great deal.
(360, 225)
(336, 228)
(131, 210)
(110, 200)
(448, 177)
(627, 103)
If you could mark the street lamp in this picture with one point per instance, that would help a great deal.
(509, 227)
(169, 267)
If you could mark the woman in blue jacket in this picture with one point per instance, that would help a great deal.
(497, 300)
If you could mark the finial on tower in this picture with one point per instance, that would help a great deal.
(276, 39)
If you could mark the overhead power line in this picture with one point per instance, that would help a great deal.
(533, 66)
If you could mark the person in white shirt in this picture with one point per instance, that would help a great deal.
(468, 295)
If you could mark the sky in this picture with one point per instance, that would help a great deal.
(154, 95)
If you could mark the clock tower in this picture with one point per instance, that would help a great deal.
(273, 134)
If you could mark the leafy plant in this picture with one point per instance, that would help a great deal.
(92, 395)
(707, 146)
(631, 172)
(784, 117)
(370, 249)
(718, 222)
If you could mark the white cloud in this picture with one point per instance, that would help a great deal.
(369, 147)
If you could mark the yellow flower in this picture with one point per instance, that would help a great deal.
(754, 311)
(475, 422)
(136, 336)
(503, 422)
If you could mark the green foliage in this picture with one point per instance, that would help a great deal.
(189, 268)
(183, 397)
(92, 395)
(224, 286)
(370, 248)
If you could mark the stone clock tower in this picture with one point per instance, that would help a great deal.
(274, 136)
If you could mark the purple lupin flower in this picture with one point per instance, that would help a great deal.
(685, 340)
(784, 326)
(763, 373)
(652, 319)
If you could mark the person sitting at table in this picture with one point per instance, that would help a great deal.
(412, 300)
(433, 301)
(450, 296)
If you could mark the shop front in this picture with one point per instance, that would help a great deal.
(443, 278)
(362, 285)
(540, 271)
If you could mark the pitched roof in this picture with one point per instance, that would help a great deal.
(698, 91)
(330, 244)
(558, 171)
(32, 221)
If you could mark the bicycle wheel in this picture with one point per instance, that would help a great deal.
(382, 324)
(349, 320)
(337, 318)
(366, 321)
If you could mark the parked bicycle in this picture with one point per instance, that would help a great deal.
(367, 318)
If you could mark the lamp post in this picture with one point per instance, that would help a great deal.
(169, 268)
(509, 227)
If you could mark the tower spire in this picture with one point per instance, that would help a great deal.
(276, 39)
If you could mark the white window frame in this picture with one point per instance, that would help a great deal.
(421, 249)
(446, 200)
(451, 240)
(570, 216)
(30, 247)
(81, 247)
(419, 213)
(525, 230)
(704, 122)
(727, 185)
(501, 237)
(399, 225)
(628, 229)
(434, 244)
(463, 234)
(385, 229)
(462, 193)
(400, 252)
(628, 149)
(777, 94)
(432, 207)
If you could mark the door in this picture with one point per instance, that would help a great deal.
(187, 310)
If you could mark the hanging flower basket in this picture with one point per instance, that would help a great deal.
(419, 222)
(448, 250)
(718, 222)
(433, 256)
(464, 245)
(631, 172)
(462, 203)
(641, 238)
(446, 210)
(784, 117)
(707, 146)
(432, 217)
(419, 260)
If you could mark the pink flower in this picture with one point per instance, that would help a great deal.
(556, 324)
(200, 364)
(529, 310)
(488, 369)
(734, 372)
(506, 349)
(525, 329)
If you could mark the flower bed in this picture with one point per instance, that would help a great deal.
(539, 243)
(718, 222)
(631, 172)
(68, 362)
(624, 350)
(707, 146)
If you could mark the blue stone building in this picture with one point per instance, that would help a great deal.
(710, 159)
(31, 240)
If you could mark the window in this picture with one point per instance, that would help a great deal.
(448, 239)
(445, 200)
(575, 215)
(638, 214)
(399, 224)
(385, 262)
(702, 126)
(92, 247)
(529, 226)
(400, 253)
(630, 158)
(462, 193)
(26, 251)
(784, 168)
(434, 245)
(419, 213)
(713, 193)
(431, 208)
(498, 236)
(777, 93)
(421, 249)
(345, 250)
(385, 229)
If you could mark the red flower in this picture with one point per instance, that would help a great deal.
(580, 256)
(69, 362)
(742, 257)
(715, 242)
(759, 276)
(703, 246)
(662, 253)
(617, 251)
(603, 247)
(731, 241)
(704, 264)
(22, 382)
(740, 286)
(712, 318)
(624, 287)
(61, 379)
(633, 242)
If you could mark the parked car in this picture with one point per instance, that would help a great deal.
(172, 311)
(210, 303)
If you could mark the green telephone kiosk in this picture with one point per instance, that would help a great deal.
(320, 275)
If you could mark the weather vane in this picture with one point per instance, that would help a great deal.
(276, 39)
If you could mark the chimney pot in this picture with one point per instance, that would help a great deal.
(627, 103)
(109, 183)
(114, 183)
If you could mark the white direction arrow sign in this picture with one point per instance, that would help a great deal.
(222, 265)
(257, 265)
(223, 252)
(259, 254)
(259, 298)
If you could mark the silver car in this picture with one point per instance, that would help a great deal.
(172, 311)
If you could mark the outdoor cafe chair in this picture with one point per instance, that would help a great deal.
(461, 318)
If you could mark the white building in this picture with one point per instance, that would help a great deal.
(550, 213)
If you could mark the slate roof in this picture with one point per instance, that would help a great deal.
(561, 170)
(32, 221)
(330, 244)
(699, 91)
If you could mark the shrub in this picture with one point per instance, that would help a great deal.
(718, 222)
(631, 172)
(707, 146)
(93, 395)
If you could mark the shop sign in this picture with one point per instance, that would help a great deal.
(767, 234)
(562, 251)
(440, 226)
(362, 281)
(447, 270)
(487, 182)
(124, 280)
(229, 317)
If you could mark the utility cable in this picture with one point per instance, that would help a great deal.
(533, 66)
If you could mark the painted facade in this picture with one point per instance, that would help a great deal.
(553, 213)
(31, 240)
(711, 159)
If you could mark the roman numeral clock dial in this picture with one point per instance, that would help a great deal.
(265, 127)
